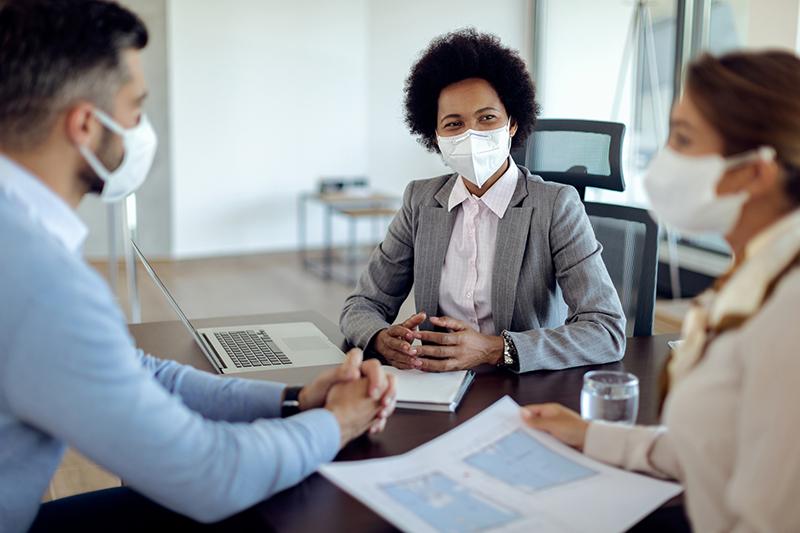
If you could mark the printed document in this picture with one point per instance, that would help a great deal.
(493, 473)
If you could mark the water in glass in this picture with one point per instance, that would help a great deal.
(610, 396)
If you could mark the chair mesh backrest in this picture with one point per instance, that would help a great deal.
(557, 151)
(581, 153)
(585, 153)
(623, 250)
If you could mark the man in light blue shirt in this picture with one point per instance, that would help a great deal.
(71, 92)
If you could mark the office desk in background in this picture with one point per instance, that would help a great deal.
(350, 206)
(316, 504)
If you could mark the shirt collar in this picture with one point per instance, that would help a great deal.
(496, 198)
(769, 253)
(42, 205)
(788, 224)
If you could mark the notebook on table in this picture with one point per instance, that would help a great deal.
(431, 391)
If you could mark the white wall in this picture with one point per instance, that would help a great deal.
(579, 80)
(398, 32)
(582, 48)
(266, 96)
(774, 23)
(154, 197)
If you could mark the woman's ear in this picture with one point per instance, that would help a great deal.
(756, 178)
(512, 129)
(766, 177)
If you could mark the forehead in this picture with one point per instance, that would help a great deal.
(467, 96)
(685, 110)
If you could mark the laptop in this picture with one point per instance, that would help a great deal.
(293, 353)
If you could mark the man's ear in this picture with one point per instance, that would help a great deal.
(80, 125)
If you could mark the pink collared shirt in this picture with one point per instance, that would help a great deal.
(465, 289)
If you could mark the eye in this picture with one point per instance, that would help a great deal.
(681, 140)
(486, 118)
(454, 124)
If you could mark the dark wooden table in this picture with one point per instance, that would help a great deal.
(317, 505)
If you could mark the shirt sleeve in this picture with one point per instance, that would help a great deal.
(73, 373)
(594, 331)
(385, 283)
(215, 397)
(646, 449)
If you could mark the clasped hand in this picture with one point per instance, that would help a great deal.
(359, 394)
(459, 348)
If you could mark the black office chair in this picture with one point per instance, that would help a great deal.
(585, 153)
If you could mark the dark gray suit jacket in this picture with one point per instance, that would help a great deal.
(550, 287)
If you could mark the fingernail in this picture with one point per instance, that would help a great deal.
(384, 413)
(375, 393)
(417, 363)
(526, 413)
(412, 351)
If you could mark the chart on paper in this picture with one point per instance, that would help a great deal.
(494, 474)
(521, 461)
(446, 505)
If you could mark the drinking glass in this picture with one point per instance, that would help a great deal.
(610, 396)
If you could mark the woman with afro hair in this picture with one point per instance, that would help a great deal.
(505, 267)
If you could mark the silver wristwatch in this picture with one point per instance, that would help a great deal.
(509, 351)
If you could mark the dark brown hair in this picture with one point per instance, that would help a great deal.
(752, 99)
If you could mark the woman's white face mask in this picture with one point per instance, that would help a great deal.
(476, 155)
(683, 190)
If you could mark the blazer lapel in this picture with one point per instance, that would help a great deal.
(512, 239)
(433, 237)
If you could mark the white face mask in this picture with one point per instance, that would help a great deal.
(476, 155)
(682, 190)
(140, 145)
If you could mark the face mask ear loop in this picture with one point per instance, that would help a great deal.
(764, 153)
(108, 122)
(98, 167)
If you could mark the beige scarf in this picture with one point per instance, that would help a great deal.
(739, 294)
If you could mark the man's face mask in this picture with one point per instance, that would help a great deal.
(139, 144)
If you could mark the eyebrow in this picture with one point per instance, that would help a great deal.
(680, 122)
(451, 115)
(478, 112)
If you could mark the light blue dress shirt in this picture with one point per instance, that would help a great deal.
(199, 444)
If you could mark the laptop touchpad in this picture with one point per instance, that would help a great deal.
(305, 343)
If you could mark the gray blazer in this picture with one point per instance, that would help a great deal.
(550, 287)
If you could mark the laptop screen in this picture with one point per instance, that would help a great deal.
(175, 307)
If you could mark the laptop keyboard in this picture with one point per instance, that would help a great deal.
(251, 348)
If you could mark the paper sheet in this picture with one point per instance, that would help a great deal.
(494, 474)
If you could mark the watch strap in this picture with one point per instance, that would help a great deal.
(290, 405)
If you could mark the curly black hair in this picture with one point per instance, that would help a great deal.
(465, 54)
